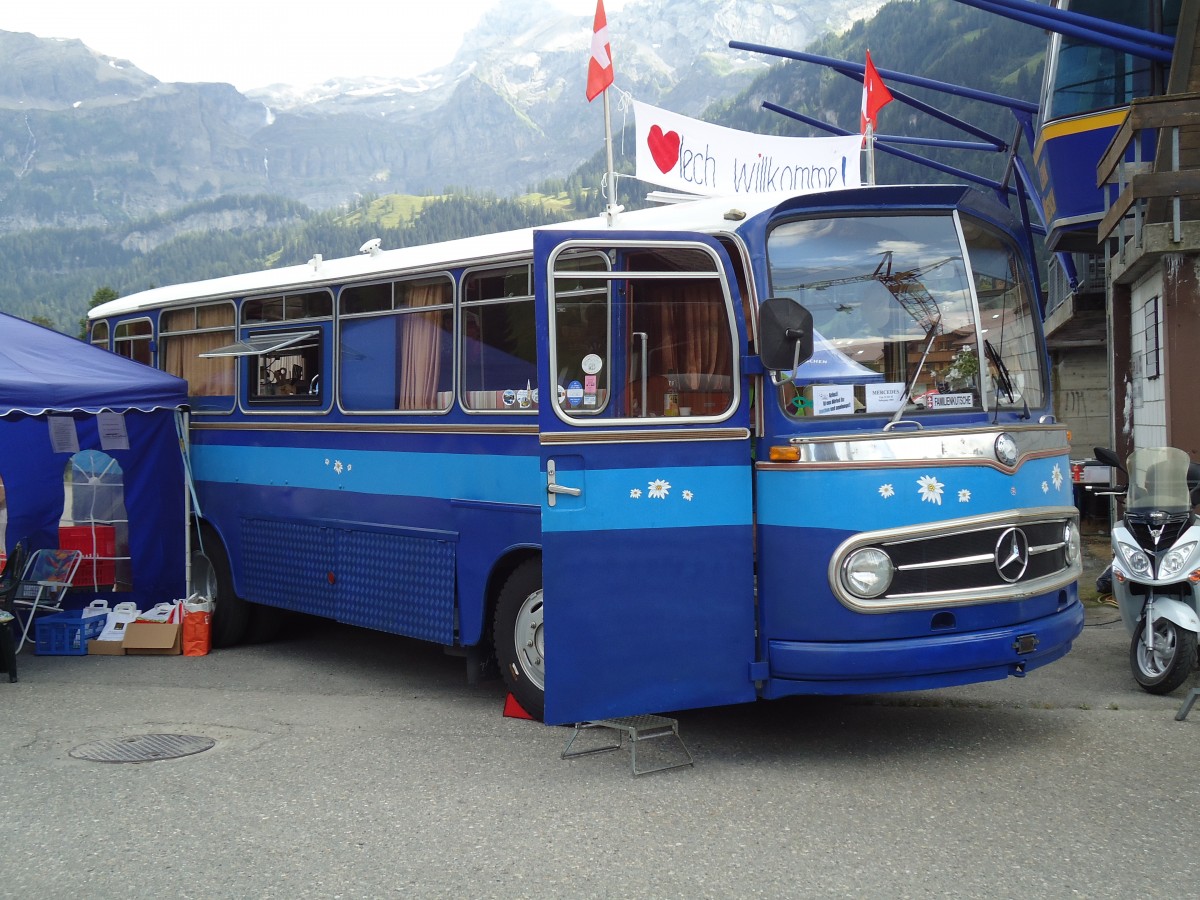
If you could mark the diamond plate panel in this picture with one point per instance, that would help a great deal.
(396, 583)
(297, 578)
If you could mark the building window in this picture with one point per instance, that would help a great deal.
(1151, 340)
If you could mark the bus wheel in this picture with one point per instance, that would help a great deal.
(517, 634)
(211, 578)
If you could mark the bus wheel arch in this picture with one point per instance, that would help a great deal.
(517, 633)
(213, 578)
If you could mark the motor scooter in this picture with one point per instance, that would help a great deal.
(1156, 564)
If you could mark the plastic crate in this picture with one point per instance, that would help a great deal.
(98, 544)
(67, 633)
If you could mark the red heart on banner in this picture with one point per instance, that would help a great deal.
(663, 147)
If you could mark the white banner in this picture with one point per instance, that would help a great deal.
(697, 158)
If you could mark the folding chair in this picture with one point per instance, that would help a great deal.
(42, 588)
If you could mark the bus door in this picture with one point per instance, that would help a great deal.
(647, 544)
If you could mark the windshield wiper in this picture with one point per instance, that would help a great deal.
(935, 328)
(1003, 378)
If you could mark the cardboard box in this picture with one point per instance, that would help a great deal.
(153, 639)
(106, 648)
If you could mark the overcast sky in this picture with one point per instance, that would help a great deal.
(253, 43)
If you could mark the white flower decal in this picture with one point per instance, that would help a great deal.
(1045, 488)
(886, 490)
(1013, 490)
(1057, 477)
(964, 496)
(337, 466)
(658, 489)
(635, 493)
(930, 489)
(687, 495)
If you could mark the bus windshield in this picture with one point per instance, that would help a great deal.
(892, 302)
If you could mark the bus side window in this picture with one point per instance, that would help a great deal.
(396, 346)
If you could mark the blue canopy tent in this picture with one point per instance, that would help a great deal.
(89, 442)
(829, 365)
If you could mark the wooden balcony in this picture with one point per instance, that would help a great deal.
(1153, 207)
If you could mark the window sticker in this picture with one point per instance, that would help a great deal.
(833, 399)
(952, 401)
(885, 398)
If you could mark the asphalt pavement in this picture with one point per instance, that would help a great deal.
(349, 763)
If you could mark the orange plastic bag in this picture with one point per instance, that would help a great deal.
(197, 632)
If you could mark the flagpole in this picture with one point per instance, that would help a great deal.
(870, 153)
(612, 209)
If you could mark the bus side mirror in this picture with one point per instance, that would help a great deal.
(785, 334)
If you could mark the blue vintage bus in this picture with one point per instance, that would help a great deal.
(743, 448)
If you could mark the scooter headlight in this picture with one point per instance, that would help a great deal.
(1174, 561)
(1138, 562)
(867, 572)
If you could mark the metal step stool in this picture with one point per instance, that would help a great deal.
(638, 729)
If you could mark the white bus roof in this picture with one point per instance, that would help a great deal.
(707, 216)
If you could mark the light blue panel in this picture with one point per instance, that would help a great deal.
(887, 497)
(507, 479)
(666, 497)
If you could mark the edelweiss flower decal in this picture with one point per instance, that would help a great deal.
(964, 496)
(886, 491)
(339, 467)
(930, 489)
(1045, 488)
(1056, 476)
(658, 489)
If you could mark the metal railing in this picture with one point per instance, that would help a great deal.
(1157, 191)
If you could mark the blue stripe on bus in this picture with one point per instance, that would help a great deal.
(659, 497)
(505, 479)
(619, 499)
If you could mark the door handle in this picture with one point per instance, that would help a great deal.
(553, 489)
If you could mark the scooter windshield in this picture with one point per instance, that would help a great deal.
(1158, 480)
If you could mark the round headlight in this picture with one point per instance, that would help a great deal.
(1006, 449)
(1138, 562)
(867, 572)
(1174, 561)
(1071, 542)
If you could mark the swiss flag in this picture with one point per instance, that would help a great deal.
(875, 97)
(600, 66)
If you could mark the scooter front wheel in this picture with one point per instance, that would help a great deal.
(1167, 662)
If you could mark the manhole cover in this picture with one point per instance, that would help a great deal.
(143, 748)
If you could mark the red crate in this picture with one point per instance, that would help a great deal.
(98, 544)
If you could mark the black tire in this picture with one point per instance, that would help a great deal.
(211, 578)
(1168, 665)
(517, 637)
